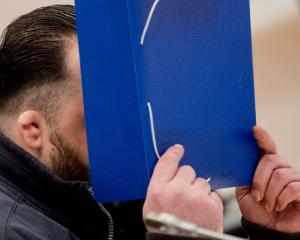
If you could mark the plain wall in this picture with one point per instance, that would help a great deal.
(11, 9)
(276, 56)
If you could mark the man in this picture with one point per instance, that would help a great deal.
(44, 191)
(44, 167)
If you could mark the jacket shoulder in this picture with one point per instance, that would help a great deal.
(27, 222)
(8, 202)
(20, 220)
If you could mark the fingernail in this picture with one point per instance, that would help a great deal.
(178, 146)
(256, 195)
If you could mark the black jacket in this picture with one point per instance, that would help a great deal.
(36, 205)
(34, 202)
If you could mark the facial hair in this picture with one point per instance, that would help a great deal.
(66, 162)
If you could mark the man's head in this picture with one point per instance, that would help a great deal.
(41, 107)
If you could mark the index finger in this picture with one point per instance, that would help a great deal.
(167, 165)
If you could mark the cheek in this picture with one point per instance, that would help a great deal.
(74, 133)
(84, 149)
(81, 142)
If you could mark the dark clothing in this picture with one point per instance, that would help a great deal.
(127, 220)
(258, 232)
(255, 232)
(37, 205)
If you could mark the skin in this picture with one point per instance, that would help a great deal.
(31, 131)
(274, 199)
(170, 186)
(177, 190)
(172, 189)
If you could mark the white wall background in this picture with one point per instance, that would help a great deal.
(276, 52)
(11, 9)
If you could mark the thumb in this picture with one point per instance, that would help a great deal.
(241, 192)
(168, 164)
(264, 140)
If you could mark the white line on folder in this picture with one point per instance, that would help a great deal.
(153, 130)
(154, 143)
(148, 21)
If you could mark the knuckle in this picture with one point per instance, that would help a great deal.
(293, 189)
(270, 159)
(187, 170)
(155, 192)
(256, 184)
(280, 174)
(177, 192)
(275, 160)
(194, 199)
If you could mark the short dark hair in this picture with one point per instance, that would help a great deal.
(32, 57)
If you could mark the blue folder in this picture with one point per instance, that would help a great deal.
(191, 62)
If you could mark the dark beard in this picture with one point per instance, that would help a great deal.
(65, 161)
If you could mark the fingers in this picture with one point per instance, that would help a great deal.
(185, 174)
(264, 140)
(275, 181)
(167, 165)
(201, 184)
(216, 198)
(290, 194)
(280, 179)
(267, 165)
(242, 192)
(186, 201)
(177, 191)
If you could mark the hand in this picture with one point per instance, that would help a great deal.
(177, 191)
(274, 199)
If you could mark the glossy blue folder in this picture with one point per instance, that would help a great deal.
(194, 67)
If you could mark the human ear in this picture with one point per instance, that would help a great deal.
(31, 127)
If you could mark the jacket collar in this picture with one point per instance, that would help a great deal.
(69, 203)
(29, 174)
